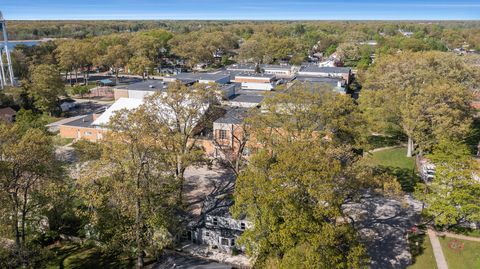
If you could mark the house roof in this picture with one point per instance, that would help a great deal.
(122, 103)
(325, 69)
(83, 122)
(234, 115)
(7, 111)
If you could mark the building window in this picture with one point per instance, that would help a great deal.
(207, 233)
(232, 242)
(222, 134)
(242, 225)
(88, 133)
(215, 221)
(224, 241)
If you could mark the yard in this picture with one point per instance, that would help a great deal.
(396, 162)
(461, 254)
(395, 158)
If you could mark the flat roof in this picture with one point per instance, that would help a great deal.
(325, 69)
(147, 85)
(248, 98)
(276, 66)
(241, 67)
(255, 75)
(234, 115)
(327, 80)
(83, 122)
(201, 76)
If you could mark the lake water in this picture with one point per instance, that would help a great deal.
(12, 44)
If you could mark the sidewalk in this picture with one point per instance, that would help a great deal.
(460, 236)
(437, 250)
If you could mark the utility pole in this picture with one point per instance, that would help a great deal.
(3, 28)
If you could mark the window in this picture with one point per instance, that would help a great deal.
(224, 241)
(242, 225)
(88, 133)
(207, 233)
(232, 242)
(222, 134)
(215, 221)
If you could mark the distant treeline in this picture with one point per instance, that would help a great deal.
(31, 30)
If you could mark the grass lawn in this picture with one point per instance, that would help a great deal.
(425, 259)
(394, 161)
(468, 258)
(395, 158)
(76, 257)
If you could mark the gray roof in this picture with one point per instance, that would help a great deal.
(325, 69)
(276, 66)
(256, 75)
(83, 122)
(147, 85)
(234, 115)
(200, 76)
(248, 98)
(326, 80)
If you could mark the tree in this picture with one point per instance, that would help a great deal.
(140, 65)
(80, 90)
(46, 87)
(27, 167)
(200, 46)
(295, 207)
(130, 188)
(176, 115)
(397, 83)
(452, 196)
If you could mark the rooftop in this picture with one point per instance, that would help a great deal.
(255, 75)
(325, 69)
(276, 66)
(83, 122)
(234, 115)
(147, 85)
(327, 80)
(248, 98)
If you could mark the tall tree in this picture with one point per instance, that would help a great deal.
(131, 188)
(27, 167)
(397, 82)
(46, 87)
(176, 114)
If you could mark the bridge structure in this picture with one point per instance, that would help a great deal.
(6, 76)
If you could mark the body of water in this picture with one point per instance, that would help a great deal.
(12, 44)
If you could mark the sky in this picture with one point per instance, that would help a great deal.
(240, 9)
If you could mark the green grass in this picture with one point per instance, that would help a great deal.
(468, 258)
(395, 158)
(425, 258)
(395, 162)
(77, 257)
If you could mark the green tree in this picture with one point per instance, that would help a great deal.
(452, 196)
(46, 87)
(401, 89)
(27, 168)
(175, 115)
(130, 188)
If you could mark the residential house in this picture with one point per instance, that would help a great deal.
(217, 228)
